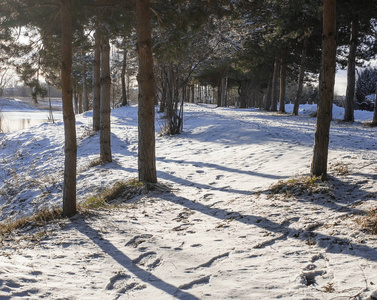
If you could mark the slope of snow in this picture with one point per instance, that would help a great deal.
(218, 234)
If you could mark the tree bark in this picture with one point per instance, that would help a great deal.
(324, 111)
(245, 90)
(274, 93)
(123, 79)
(219, 93)
(374, 122)
(164, 91)
(79, 96)
(105, 132)
(97, 82)
(70, 147)
(301, 75)
(84, 89)
(267, 102)
(222, 94)
(283, 73)
(351, 70)
(75, 99)
(146, 126)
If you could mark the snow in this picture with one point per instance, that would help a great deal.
(219, 233)
(11, 104)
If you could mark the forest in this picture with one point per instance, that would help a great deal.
(201, 153)
(254, 45)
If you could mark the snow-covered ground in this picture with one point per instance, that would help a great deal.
(219, 233)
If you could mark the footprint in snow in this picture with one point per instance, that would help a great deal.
(208, 196)
(122, 283)
(137, 240)
(214, 260)
(182, 227)
(183, 216)
(117, 280)
(191, 284)
(309, 277)
(148, 260)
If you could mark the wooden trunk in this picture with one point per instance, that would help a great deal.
(146, 154)
(327, 81)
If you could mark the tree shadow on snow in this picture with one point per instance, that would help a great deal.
(122, 259)
(221, 168)
(330, 243)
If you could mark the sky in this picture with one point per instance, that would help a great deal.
(341, 79)
(340, 82)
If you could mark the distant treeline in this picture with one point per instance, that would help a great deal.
(24, 91)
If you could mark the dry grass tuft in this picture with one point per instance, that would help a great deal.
(340, 168)
(369, 222)
(121, 191)
(370, 124)
(329, 288)
(298, 186)
(95, 162)
(37, 220)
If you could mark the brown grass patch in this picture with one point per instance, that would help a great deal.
(37, 220)
(300, 186)
(369, 222)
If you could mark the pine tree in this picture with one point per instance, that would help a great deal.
(366, 83)
(327, 81)
(69, 191)
(146, 154)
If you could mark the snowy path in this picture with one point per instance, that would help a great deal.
(218, 234)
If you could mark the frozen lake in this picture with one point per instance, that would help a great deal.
(11, 121)
(18, 114)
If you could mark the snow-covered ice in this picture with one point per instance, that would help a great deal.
(219, 234)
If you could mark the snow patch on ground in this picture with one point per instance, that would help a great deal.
(219, 233)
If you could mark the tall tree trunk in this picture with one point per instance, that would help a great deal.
(164, 91)
(226, 91)
(79, 96)
(76, 99)
(105, 131)
(97, 82)
(172, 100)
(283, 73)
(84, 89)
(374, 122)
(70, 147)
(301, 75)
(244, 91)
(274, 101)
(223, 90)
(267, 103)
(351, 70)
(146, 155)
(219, 93)
(123, 79)
(324, 111)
